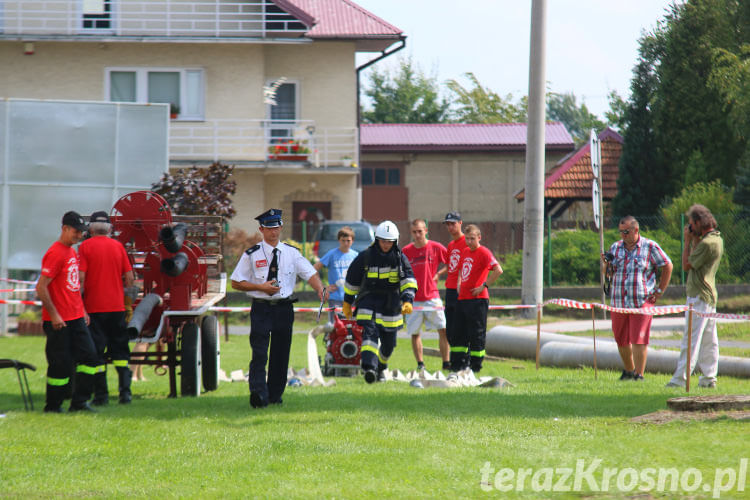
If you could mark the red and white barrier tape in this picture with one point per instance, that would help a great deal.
(649, 311)
(19, 290)
(9, 280)
(570, 304)
(26, 302)
(745, 317)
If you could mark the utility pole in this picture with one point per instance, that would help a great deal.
(533, 218)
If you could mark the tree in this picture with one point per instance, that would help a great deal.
(730, 77)
(678, 129)
(482, 105)
(199, 191)
(408, 96)
(577, 119)
(691, 119)
(616, 115)
(636, 193)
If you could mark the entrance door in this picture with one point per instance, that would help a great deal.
(311, 212)
(384, 195)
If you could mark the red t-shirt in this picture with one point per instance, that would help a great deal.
(475, 266)
(104, 260)
(60, 264)
(454, 257)
(424, 262)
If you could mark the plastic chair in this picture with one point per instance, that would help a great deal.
(21, 367)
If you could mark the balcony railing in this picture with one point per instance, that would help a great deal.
(148, 18)
(229, 140)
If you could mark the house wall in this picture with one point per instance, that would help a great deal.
(234, 78)
(481, 186)
(234, 74)
(258, 190)
(325, 72)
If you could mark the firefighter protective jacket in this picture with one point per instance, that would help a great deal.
(380, 282)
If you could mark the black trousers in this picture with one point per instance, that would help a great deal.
(110, 336)
(451, 300)
(270, 324)
(469, 334)
(70, 352)
(108, 331)
(378, 344)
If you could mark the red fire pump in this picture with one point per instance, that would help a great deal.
(343, 347)
(174, 274)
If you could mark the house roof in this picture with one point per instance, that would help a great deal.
(571, 177)
(342, 20)
(418, 137)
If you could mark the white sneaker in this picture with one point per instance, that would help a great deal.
(672, 383)
(707, 383)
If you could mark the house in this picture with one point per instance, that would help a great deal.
(267, 85)
(568, 185)
(425, 170)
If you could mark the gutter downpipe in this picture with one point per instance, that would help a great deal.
(359, 69)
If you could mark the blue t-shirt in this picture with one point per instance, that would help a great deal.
(337, 264)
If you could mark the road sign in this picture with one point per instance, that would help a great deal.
(596, 153)
(595, 203)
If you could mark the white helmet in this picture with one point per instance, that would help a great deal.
(387, 230)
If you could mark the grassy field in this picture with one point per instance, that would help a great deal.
(358, 441)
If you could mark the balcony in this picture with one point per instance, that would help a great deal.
(143, 19)
(251, 141)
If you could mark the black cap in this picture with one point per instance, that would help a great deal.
(270, 218)
(452, 217)
(74, 220)
(100, 216)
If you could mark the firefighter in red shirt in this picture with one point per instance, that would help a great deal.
(69, 345)
(427, 259)
(105, 269)
(467, 344)
(453, 225)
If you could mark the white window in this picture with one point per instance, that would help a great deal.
(182, 89)
(96, 15)
(283, 115)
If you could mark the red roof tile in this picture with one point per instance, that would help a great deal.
(571, 178)
(339, 19)
(457, 137)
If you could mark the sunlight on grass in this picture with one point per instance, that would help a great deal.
(352, 440)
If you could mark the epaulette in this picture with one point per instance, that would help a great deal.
(252, 249)
(293, 246)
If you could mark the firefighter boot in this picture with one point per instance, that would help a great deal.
(370, 376)
(83, 388)
(101, 392)
(55, 397)
(125, 376)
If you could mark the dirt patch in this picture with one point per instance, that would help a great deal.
(666, 416)
(720, 402)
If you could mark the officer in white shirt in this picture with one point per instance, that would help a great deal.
(268, 273)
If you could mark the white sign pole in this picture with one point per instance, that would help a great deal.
(597, 201)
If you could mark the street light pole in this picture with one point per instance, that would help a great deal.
(533, 220)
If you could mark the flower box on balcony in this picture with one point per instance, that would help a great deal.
(288, 157)
(289, 150)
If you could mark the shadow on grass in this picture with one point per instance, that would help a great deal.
(330, 404)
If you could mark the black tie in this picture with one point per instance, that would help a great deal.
(273, 271)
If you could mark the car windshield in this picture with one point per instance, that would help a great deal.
(331, 231)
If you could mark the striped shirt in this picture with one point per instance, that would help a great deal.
(635, 271)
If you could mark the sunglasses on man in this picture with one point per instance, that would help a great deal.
(625, 231)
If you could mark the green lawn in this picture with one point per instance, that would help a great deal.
(358, 441)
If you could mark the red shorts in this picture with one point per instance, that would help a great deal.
(631, 328)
